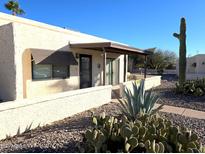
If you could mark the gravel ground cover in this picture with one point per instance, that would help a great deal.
(62, 136)
(169, 97)
(197, 125)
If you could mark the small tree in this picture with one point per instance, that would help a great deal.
(14, 7)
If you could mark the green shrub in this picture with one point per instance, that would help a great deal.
(192, 87)
(150, 133)
(160, 71)
(140, 101)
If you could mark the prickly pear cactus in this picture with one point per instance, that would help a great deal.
(182, 51)
(151, 134)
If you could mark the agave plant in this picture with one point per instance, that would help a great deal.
(139, 102)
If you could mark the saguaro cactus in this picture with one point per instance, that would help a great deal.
(182, 51)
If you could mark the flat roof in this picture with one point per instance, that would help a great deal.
(110, 47)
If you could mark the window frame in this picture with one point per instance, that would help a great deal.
(50, 78)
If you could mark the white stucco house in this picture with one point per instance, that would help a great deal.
(48, 73)
(195, 67)
(39, 59)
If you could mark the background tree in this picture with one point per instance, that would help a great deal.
(159, 60)
(170, 58)
(162, 59)
(135, 61)
(14, 7)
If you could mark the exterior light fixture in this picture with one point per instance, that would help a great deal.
(77, 55)
(194, 65)
(98, 66)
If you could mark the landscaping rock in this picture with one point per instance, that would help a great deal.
(196, 125)
(61, 136)
(167, 94)
(65, 135)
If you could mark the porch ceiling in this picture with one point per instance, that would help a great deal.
(110, 47)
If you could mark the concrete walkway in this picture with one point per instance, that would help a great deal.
(183, 111)
(180, 110)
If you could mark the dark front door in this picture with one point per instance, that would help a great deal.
(85, 71)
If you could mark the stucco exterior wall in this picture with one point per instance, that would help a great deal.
(4, 21)
(200, 64)
(190, 68)
(32, 88)
(194, 72)
(36, 88)
(177, 67)
(31, 34)
(7, 63)
(27, 36)
(150, 82)
(45, 110)
(195, 76)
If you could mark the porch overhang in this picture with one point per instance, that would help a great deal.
(110, 47)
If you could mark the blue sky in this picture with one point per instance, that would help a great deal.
(140, 23)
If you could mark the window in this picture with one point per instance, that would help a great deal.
(46, 71)
(42, 71)
(60, 71)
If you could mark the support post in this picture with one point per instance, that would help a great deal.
(104, 66)
(125, 67)
(145, 67)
